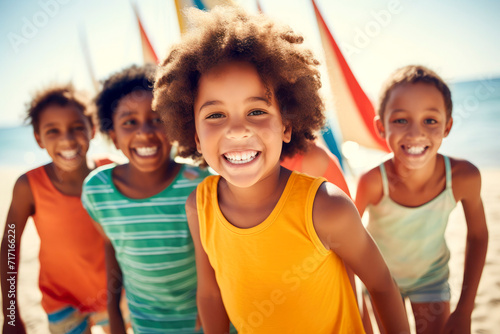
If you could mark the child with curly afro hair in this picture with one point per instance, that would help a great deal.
(240, 92)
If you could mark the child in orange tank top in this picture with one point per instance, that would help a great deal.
(238, 93)
(72, 267)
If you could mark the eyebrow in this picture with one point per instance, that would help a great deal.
(427, 109)
(126, 113)
(248, 100)
(49, 125)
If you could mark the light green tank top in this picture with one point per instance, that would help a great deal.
(411, 239)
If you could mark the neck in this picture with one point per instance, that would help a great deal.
(266, 191)
(71, 177)
(416, 177)
(152, 178)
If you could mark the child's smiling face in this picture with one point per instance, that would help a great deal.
(239, 131)
(138, 132)
(415, 123)
(65, 133)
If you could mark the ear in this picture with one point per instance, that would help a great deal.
(287, 134)
(38, 139)
(449, 124)
(379, 126)
(112, 135)
(197, 140)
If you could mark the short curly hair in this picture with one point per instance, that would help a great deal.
(56, 94)
(412, 74)
(133, 79)
(225, 34)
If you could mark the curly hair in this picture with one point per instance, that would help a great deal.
(56, 94)
(413, 74)
(287, 69)
(130, 80)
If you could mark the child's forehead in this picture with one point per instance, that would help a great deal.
(229, 68)
(56, 111)
(420, 89)
(233, 78)
(414, 95)
(138, 99)
(137, 96)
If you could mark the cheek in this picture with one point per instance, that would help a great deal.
(438, 133)
(204, 138)
(271, 130)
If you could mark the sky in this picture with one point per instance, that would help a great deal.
(40, 40)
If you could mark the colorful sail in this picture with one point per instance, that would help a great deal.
(180, 5)
(148, 52)
(354, 111)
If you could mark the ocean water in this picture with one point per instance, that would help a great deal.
(474, 136)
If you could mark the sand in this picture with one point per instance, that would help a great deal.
(485, 318)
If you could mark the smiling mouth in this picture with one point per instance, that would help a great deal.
(239, 158)
(146, 151)
(69, 154)
(415, 150)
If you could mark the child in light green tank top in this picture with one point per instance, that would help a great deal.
(410, 196)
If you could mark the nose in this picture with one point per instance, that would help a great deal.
(68, 136)
(145, 129)
(415, 130)
(237, 129)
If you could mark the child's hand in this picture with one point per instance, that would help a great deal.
(458, 324)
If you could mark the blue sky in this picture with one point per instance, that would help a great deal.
(39, 39)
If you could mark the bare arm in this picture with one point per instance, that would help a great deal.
(213, 314)
(21, 208)
(347, 237)
(467, 189)
(369, 190)
(115, 286)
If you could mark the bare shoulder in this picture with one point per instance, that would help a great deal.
(333, 213)
(331, 196)
(466, 178)
(463, 169)
(371, 178)
(23, 203)
(370, 189)
(191, 202)
(22, 190)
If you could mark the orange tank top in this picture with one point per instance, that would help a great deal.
(72, 267)
(277, 277)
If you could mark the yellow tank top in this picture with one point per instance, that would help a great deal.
(277, 277)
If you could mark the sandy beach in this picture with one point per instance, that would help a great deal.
(485, 318)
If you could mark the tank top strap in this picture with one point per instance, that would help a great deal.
(385, 183)
(448, 171)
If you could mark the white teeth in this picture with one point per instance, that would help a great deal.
(240, 157)
(146, 151)
(69, 154)
(415, 149)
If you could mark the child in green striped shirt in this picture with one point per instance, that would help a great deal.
(140, 207)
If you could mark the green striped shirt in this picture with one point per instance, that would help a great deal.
(153, 247)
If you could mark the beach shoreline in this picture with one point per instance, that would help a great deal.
(484, 319)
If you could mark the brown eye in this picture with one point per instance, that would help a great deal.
(215, 115)
(256, 112)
